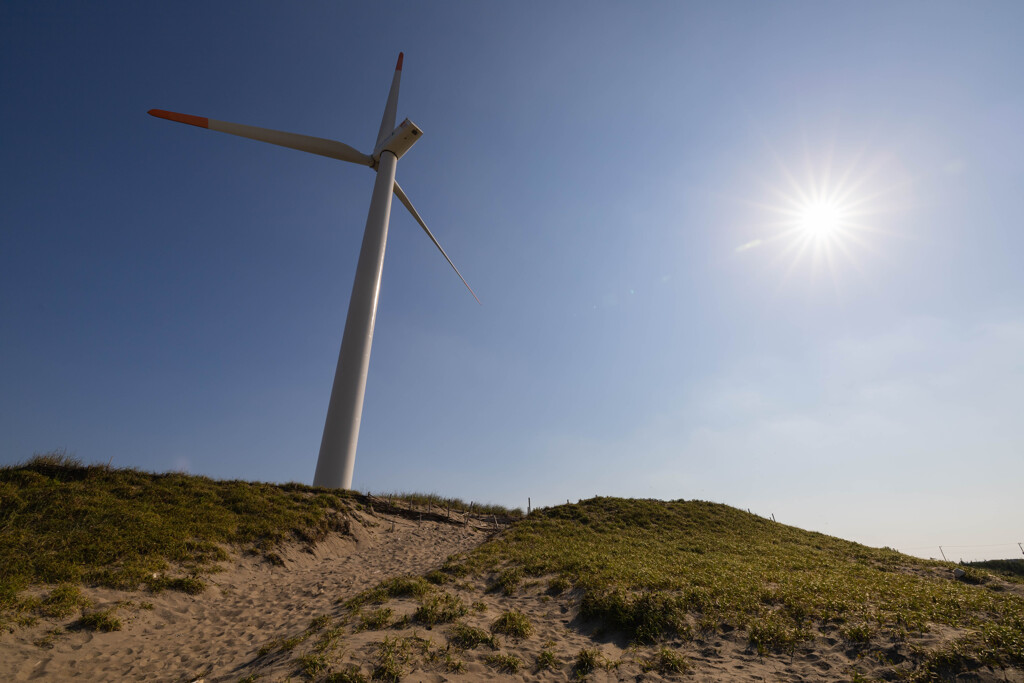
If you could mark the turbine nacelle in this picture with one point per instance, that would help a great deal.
(399, 142)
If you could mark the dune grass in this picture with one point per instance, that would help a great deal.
(441, 503)
(654, 570)
(62, 522)
(1011, 569)
(651, 570)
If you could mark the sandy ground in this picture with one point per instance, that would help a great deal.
(218, 635)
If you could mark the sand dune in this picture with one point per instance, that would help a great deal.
(252, 604)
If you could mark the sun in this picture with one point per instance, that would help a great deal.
(820, 220)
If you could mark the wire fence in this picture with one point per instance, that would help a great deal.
(949, 553)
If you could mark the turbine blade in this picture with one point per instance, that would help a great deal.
(303, 143)
(387, 123)
(405, 200)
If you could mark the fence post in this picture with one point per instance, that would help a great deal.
(528, 505)
(943, 554)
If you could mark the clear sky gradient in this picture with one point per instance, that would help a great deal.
(623, 184)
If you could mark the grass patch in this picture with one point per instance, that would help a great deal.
(350, 674)
(397, 587)
(505, 663)
(440, 608)
(440, 503)
(654, 570)
(191, 585)
(375, 620)
(514, 624)
(666, 662)
(858, 634)
(587, 661)
(466, 637)
(559, 584)
(329, 639)
(63, 601)
(392, 657)
(102, 620)
(437, 577)
(546, 660)
(994, 645)
(645, 617)
(507, 581)
(62, 522)
(1012, 569)
(313, 664)
(319, 623)
(773, 633)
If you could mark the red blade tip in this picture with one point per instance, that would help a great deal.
(200, 121)
(401, 56)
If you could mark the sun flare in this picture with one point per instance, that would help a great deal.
(820, 220)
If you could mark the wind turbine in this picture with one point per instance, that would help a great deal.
(344, 411)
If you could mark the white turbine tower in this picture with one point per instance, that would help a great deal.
(341, 429)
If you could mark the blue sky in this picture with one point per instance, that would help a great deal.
(624, 186)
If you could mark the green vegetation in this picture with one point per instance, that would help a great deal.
(666, 662)
(375, 620)
(392, 656)
(507, 580)
(546, 660)
(350, 674)
(63, 601)
(441, 504)
(437, 577)
(185, 584)
(440, 608)
(62, 522)
(656, 570)
(319, 623)
(397, 587)
(313, 664)
(514, 624)
(587, 661)
(101, 620)
(1013, 569)
(505, 663)
(559, 585)
(465, 637)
